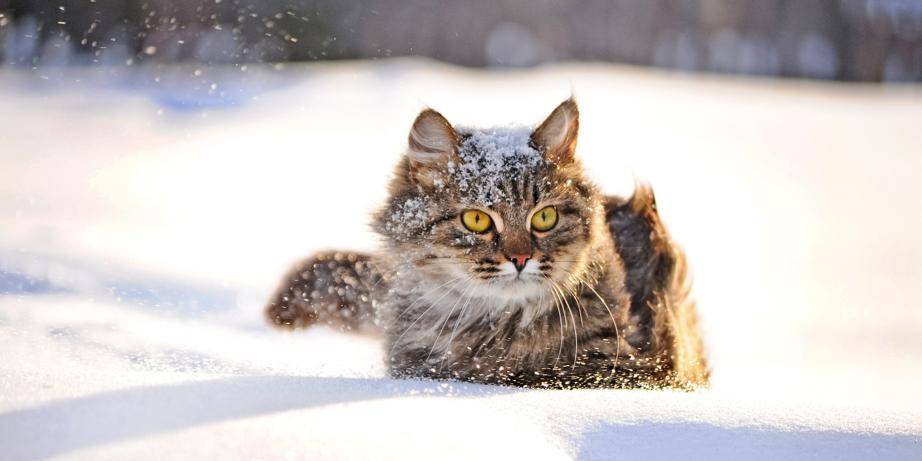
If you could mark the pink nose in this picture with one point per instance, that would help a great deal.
(519, 260)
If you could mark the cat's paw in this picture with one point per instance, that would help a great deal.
(333, 288)
(291, 307)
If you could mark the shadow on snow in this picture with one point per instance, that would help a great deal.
(64, 426)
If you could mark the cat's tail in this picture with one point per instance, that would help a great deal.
(660, 284)
(333, 288)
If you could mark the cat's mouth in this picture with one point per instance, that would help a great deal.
(519, 279)
(512, 284)
(510, 274)
(501, 281)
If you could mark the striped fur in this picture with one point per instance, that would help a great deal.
(603, 302)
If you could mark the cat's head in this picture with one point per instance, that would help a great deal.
(502, 213)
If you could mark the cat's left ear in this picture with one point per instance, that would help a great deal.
(433, 144)
(556, 136)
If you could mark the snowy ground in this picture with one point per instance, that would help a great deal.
(146, 216)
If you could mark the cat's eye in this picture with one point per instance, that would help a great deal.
(545, 219)
(476, 221)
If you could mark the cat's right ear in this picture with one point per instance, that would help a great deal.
(433, 144)
(556, 136)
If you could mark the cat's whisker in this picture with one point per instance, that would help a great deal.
(556, 287)
(560, 320)
(613, 322)
(409, 308)
(579, 306)
(433, 304)
(575, 333)
(454, 330)
(470, 284)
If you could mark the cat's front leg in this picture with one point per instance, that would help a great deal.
(333, 288)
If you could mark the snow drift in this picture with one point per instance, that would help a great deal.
(139, 239)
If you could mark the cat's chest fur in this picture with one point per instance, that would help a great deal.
(442, 331)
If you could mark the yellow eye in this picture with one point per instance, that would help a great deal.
(476, 221)
(545, 219)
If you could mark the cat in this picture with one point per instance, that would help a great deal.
(503, 264)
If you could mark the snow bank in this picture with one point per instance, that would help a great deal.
(138, 243)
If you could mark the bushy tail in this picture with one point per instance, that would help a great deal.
(658, 280)
(333, 288)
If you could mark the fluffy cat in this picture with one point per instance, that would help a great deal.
(503, 264)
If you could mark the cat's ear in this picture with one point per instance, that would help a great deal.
(556, 136)
(433, 143)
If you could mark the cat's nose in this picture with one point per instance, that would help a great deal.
(519, 260)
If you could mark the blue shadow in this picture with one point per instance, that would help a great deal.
(701, 441)
(61, 427)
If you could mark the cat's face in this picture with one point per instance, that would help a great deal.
(502, 214)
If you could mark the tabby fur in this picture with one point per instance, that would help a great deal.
(603, 300)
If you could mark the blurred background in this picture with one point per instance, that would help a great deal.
(851, 40)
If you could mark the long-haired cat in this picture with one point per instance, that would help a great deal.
(504, 264)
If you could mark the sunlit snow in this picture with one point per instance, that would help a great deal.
(146, 216)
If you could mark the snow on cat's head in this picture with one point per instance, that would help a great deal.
(499, 213)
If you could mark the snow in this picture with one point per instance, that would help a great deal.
(139, 239)
(408, 218)
(491, 154)
(484, 157)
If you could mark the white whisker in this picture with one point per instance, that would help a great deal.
(470, 284)
(454, 330)
(432, 304)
